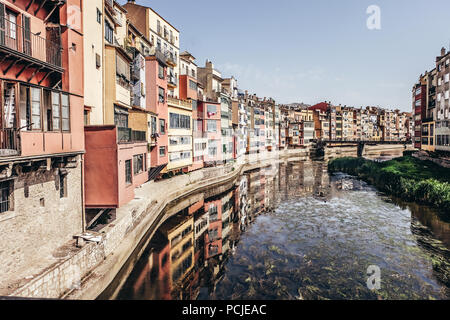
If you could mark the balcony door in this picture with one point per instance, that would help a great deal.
(9, 106)
(11, 30)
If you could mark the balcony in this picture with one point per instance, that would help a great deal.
(179, 103)
(126, 135)
(22, 44)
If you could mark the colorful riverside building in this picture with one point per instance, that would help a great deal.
(41, 132)
(116, 135)
(419, 107)
(189, 92)
(209, 125)
(166, 40)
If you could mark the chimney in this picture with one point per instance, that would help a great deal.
(131, 1)
(443, 52)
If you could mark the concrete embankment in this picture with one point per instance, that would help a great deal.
(86, 272)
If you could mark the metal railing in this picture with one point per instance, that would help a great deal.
(24, 41)
(9, 139)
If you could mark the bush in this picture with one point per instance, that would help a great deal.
(407, 178)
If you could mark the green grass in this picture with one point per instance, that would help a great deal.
(407, 177)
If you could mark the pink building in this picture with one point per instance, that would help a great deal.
(116, 167)
(213, 238)
(209, 119)
(156, 79)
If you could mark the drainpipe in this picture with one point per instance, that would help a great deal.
(83, 220)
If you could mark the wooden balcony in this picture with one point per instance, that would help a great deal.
(19, 44)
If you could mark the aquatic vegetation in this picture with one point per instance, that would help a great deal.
(407, 178)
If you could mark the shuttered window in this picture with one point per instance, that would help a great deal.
(2, 23)
(26, 36)
(122, 68)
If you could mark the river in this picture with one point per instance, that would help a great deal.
(289, 231)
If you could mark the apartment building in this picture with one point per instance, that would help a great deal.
(211, 79)
(189, 92)
(321, 120)
(428, 126)
(308, 128)
(116, 134)
(41, 131)
(442, 119)
(419, 107)
(163, 35)
(242, 125)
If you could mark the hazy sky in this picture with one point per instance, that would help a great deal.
(311, 51)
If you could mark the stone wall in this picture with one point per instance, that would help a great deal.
(39, 223)
(340, 152)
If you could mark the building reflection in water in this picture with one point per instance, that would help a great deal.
(185, 257)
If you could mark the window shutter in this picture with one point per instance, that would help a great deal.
(2, 23)
(26, 35)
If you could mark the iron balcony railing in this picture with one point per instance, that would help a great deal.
(9, 141)
(126, 135)
(15, 37)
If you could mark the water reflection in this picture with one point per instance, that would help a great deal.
(288, 231)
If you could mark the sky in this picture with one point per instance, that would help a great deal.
(314, 51)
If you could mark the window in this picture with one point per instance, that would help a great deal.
(62, 185)
(192, 85)
(153, 125)
(160, 71)
(109, 32)
(99, 16)
(194, 105)
(180, 140)
(56, 119)
(98, 62)
(158, 43)
(9, 108)
(179, 121)
(6, 202)
(36, 108)
(175, 156)
(122, 71)
(138, 164)
(161, 95)
(212, 148)
(211, 125)
(11, 29)
(86, 117)
(120, 119)
(162, 151)
(128, 179)
(65, 112)
(162, 126)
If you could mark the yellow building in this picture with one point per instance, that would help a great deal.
(428, 136)
(180, 233)
(180, 134)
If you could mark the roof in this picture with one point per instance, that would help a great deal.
(138, 5)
